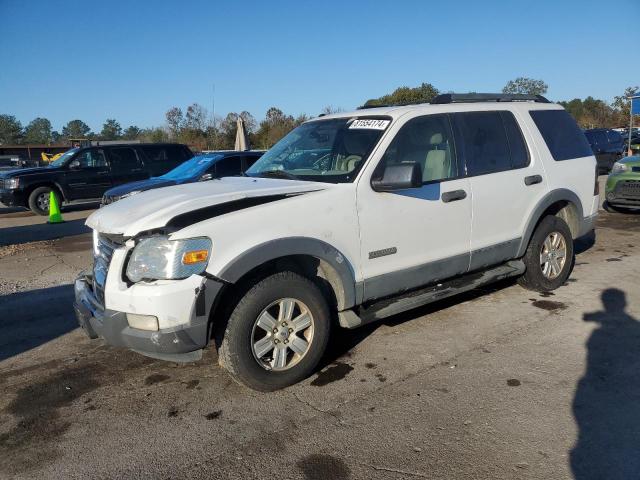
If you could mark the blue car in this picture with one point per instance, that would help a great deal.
(199, 168)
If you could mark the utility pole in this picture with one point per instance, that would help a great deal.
(629, 152)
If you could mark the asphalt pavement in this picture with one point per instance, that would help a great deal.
(500, 383)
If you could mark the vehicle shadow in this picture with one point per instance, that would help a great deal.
(41, 231)
(25, 212)
(606, 405)
(344, 340)
(29, 319)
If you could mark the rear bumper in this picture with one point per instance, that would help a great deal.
(175, 343)
(588, 224)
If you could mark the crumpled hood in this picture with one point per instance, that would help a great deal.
(154, 208)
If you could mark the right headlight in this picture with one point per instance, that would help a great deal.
(12, 183)
(619, 168)
(158, 258)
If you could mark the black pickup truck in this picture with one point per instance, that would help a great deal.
(86, 173)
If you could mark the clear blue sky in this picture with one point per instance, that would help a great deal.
(133, 60)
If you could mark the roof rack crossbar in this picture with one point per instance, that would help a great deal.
(486, 97)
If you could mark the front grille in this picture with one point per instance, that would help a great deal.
(101, 263)
(628, 189)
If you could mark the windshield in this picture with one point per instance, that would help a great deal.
(58, 162)
(193, 167)
(332, 150)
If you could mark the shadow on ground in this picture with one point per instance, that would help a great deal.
(29, 319)
(607, 399)
(41, 231)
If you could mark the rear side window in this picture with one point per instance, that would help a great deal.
(228, 167)
(124, 160)
(483, 141)
(561, 134)
(162, 158)
(249, 160)
(614, 137)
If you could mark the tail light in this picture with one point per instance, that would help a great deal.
(596, 186)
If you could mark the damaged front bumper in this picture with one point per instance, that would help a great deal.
(181, 343)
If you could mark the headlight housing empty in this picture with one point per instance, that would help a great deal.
(619, 167)
(158, 258)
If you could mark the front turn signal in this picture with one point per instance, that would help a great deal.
(195, 256)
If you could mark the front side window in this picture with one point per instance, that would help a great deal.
(91, 159)
(427, 141)
(61, 160)
(332, 150)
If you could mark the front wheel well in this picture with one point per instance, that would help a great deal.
(319, 271)
(29, 190)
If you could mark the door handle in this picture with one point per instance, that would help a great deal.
(532, 180)
(453, 196)
(102, 173)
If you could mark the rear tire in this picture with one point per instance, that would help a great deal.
(39, 200)
(286, 302)
(549, 257)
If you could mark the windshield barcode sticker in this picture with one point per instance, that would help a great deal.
(370, 123)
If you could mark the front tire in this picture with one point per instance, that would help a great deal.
(39, 200)
(549, 257)
(277, 333)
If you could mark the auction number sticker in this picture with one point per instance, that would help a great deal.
(370, 123)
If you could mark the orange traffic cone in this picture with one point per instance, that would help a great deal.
(54, 209)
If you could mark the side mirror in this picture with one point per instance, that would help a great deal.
(399, 177)
(74, 165)
(205, 177)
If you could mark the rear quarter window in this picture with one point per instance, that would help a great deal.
(162, 158)
(561, 134)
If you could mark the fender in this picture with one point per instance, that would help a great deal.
(546, 201)
(284, 247)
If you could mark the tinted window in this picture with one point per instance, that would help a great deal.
(517, 146)
(614, 137)
(561, 134)
(91, 159)
(428, 141)
(124, 160)
(600, 137)
(228, 167)
(484, 143)
(250, 160)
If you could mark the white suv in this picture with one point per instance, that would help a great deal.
(351, 217)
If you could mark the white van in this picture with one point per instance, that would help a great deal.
(351, 217)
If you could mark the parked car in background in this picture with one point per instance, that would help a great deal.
(623, 185)
(199, 168)
(86, 173)
(607, 146)
(355, 216)
(635, 142)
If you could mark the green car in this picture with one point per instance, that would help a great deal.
(623, 184)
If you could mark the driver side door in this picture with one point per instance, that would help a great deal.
(91, 177)
(415, 237)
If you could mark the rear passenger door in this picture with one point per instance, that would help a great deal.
(506, 181)
(126, 165)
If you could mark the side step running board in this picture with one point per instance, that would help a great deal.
(417, 298)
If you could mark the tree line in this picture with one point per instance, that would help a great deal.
(194, 125)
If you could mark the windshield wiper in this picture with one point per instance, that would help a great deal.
(278, 174)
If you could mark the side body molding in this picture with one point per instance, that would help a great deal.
(546, 201)
(345, 287)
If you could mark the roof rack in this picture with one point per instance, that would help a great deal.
(486, 97)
